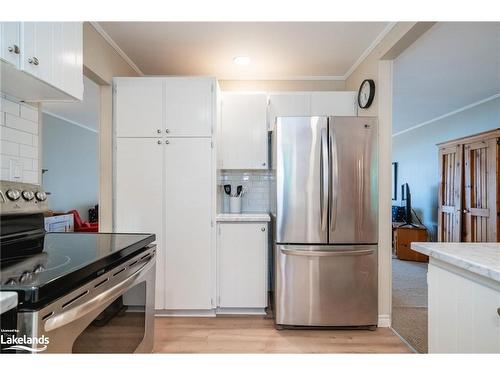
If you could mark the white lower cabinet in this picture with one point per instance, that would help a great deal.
(464, 311)
(242, 266)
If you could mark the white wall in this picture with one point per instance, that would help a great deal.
(417, 154)
(19, 137)
(70, 153)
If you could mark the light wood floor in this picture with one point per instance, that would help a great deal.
(250, 334)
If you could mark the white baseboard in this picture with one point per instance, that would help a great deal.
(240, 311)
(186, 313)
(384, 321)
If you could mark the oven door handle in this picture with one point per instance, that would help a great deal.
(86, 307)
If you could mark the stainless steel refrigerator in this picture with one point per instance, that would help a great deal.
(325, 214)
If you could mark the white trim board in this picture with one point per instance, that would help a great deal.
(115, 46)
(469, 106)
(71, 121)
(370, 48)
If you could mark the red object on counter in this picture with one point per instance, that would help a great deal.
(83, 226)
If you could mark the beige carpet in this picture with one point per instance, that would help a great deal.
(409, 302)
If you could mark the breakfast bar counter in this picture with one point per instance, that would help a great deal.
(464, 296)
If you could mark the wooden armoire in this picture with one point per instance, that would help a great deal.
(469, 189)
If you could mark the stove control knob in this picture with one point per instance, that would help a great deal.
(13, 194)
(11, 282)
(28, 195)
(41, 196)
(25, 277)
(39, 269)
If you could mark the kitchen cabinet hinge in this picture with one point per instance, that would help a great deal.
(212, 223)
(211, 88)
(114, 89)
(212, 144)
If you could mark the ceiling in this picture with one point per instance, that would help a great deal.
(84, 113)
(278, 50)
(451, 66)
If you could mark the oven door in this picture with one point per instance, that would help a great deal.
(112, 314)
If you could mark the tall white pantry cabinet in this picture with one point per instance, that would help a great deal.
(164, 180)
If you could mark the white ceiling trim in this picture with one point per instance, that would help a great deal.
(370, 48)
(70, 121)
(296, 78)
(469, 106)
(115, 46)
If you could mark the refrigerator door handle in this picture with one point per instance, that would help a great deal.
(334, 182)
(319, 253)
(324, 176)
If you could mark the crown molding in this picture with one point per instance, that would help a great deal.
(115, 46)
(291, 78)
(70, 121)
(469, 106)
(370, 48)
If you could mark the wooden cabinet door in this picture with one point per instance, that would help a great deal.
(480, 211)
(188, 210)
(338, 103)
(9, 40)
(189, 106)
(139, 107)
(138, 193)
(243, 131)
(242, 265)
(450, 194)
(288, 104)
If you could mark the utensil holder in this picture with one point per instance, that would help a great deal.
(235, 205)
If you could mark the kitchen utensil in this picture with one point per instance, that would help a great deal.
(227, 189)
(239, 188)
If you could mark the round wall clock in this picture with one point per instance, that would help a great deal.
(366, 93)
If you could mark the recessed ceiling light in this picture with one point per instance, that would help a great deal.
(241, 60)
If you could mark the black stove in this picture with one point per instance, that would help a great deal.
(66, 261)
(42, 267)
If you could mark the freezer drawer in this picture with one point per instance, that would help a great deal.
(326, 285)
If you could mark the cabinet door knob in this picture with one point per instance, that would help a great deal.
(263, 164)
(167, 141)
(498, 311)
(33, 60)
(167, 130)
(159, 141)
(14, 49)
(158, 131)
(263, 229)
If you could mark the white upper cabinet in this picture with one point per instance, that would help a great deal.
(139, 107)
(243, 131)
(288, 104)
(38, 50)
(334, 103)
(48, 65)
(10, 46)
(68, 57)
(189, 106)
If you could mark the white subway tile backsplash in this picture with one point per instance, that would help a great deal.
(257, 185)
(29, 113)
(28, 151)
(20, 123)
(30, 177)
(19, 141)
(13, 135)
(9, 106)
(9, 148)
